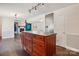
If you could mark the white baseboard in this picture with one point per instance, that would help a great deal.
(61, 45)
(7, 37)
(70, 48)
(73, 49)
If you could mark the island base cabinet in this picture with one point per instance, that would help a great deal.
(39, 45)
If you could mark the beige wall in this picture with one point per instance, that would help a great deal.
(7, 27)
(0, 26)
(66, 22)
(42, 24)
(38, 24)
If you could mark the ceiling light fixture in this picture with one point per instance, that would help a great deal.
(42, 3)
(35, 7)
(29, 11)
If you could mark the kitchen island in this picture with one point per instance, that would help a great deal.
(39, 44)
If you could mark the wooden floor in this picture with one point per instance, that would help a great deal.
(61, 51)
(12, 47)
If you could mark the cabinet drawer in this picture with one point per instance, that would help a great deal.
(39, 44)
(28, 42)
(28, 38)
(36, 52)
(39, 49)
(39, 37)
(38, 41)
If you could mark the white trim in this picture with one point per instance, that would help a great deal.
(73, 34)
(61, 45)
(70, 48)
(73, 49)
(7, 37)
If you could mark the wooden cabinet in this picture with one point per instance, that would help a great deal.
(26, 41)
(39, 45)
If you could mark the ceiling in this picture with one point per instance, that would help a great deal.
(21, 9)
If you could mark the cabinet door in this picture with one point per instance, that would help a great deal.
(38, 46)
(29, 46)
(28, 42)
(26, 39)
(50, 43)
